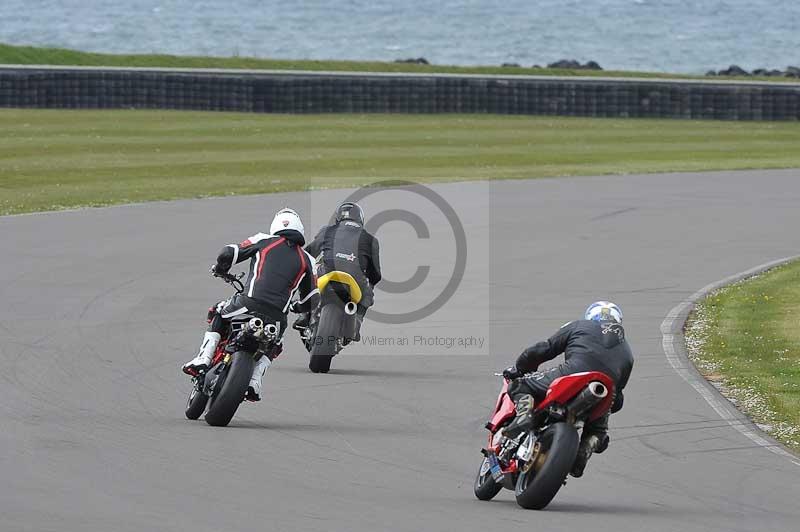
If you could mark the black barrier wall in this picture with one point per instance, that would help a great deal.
(279, 92)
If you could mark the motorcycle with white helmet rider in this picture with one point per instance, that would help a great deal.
(280, 278)
(595, 343)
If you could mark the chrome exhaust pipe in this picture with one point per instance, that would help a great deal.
(598, 389)
(255, 324)
(350, 308)
(588, 398)
(271, 330)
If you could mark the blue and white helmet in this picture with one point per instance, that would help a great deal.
(603, 311)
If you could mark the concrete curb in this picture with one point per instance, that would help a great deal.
(674, 345)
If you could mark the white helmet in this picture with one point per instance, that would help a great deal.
(286, 219)
(603, 311)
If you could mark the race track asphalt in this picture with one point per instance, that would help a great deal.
(100, 307)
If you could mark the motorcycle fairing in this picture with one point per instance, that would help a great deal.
(504, 409)
(565, 388)
(343, 278)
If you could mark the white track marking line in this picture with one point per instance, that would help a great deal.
(672, 341)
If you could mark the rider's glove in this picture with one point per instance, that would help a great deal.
(511, 373)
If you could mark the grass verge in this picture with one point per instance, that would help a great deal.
(54, 159)
(34, 55)
(745, 339)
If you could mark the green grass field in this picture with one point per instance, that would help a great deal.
(53, 159)
(746, 339)
(32, 55)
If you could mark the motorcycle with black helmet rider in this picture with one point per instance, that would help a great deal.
(348, 269)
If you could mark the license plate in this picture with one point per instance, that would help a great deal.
(494, 465)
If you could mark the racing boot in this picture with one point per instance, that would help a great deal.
(302, 321)
(594, 443)
(254, 388)
(523, 420)
(603, 445)
(202, 361)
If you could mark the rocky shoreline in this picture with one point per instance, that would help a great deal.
(735, 70)
(571, 64)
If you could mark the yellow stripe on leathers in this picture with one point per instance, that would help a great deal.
(344, 278)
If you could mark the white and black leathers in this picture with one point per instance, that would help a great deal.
(279, 268)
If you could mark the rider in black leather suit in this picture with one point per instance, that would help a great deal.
(596, 343)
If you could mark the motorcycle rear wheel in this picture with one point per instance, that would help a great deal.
(229, 394)
(326, 338)
(485, 487)
(536, 488)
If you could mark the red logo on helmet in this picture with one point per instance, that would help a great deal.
(285, 223)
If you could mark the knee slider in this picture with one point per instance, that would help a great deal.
(215, 310)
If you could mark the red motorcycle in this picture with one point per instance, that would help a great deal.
(219, 391)
(536, 461)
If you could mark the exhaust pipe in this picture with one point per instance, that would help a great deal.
(255, 324)
(350, 308)
(588, 398)
(598, 389)
(271, 330)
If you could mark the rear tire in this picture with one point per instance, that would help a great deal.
(326, 337)
(535, 489)
(230, 395)
(196, 404)
(485, 487)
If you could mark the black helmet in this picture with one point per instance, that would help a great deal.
(350, 211)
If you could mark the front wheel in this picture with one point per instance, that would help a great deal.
(196, 404)
(229, 393)
(558, 448)
(326, 339)
(485, 487)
